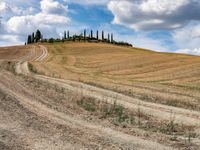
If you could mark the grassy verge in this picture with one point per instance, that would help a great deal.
(120, 116)
(32, 68)
(151, 98)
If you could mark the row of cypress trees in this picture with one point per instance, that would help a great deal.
(90, 36)
(37, 36)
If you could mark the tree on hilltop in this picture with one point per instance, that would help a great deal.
(112, 38)
(33, 38)
(102, 35)
(38, 35)
(84, 35)
(29, 40)
(97, 35)
(91, 34)
(108, 37)
(65, 35)
(68, 34)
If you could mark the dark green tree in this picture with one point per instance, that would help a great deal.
(84, 35)
(112, 38)
(91, 34)
(102, 35)
(68, 34)
(33, 38)
(38, 35)
(51, 40)
(29, 39)
(97, 35)
(65, 35)
(108, 37)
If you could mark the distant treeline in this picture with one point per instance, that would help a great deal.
(37, 37)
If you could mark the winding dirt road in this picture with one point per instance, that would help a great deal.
(31, 103)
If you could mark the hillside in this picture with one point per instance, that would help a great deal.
(98, 96)
(168, 78)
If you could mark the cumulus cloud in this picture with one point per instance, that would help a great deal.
(143, 41)
(17, 24)
(88, 2)
(154, 14)
(195, 51)
(50, 19)
(53, 7)
(8, 10)
(187, 39)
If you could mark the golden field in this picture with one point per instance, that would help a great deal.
(98, 96)
(167, 78)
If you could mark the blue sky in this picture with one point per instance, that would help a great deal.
(161, 25)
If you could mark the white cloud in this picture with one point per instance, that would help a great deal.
(6, 39)
(51, 20)
(2, 6)
(195, 51)
(88, 2)
(143, 41)
(187, 39)
(138, 39)
(154, 14)
(52, 7)
(8, 10)
(18, 24)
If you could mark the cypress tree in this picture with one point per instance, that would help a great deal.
(108, 37)
(65, 35)
(68, 34)
(84, 34)
(112, 37)
(91, 34)
(102, 35)
(33, 38)
(97, 35)
(29, 39)
(38, 35)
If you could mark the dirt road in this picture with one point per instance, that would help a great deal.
(32, 118)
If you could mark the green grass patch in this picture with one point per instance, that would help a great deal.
(32, 68)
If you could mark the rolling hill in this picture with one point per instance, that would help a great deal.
(167, 78)
(98, 96)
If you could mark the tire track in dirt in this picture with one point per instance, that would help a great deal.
(44, 53)
(164, 112)
(21, 67)
(97, 130)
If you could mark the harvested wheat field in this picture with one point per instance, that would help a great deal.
(172, 79)
(98, 96)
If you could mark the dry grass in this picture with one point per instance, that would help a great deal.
(13, 52)
(170, 79)
(167, 78)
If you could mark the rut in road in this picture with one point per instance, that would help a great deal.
(31, 104)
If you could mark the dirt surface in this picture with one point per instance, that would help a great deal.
(41, 112)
